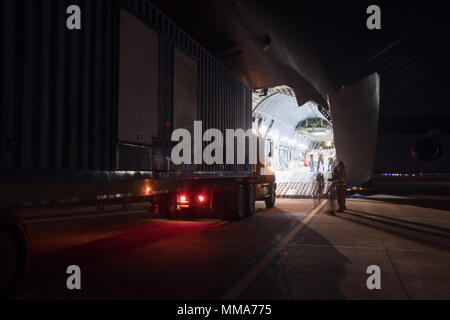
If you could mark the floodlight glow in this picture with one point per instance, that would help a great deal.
(262, 130)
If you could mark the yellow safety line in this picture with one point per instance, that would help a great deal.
(251, 275)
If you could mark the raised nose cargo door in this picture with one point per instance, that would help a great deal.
(354, 112)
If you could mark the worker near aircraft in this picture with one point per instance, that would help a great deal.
(320, 159)
(337, 186)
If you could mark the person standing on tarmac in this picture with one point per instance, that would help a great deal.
(330, 163)
(320, 159)
(311, 162)
(338, 182)
(320, 184)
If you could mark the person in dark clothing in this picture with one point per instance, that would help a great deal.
(338, 184)
(330, 163)
(311, 162)
(320, 159)
(320, 183)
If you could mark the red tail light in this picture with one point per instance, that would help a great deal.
(183, 199)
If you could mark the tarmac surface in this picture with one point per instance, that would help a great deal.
(296, 250)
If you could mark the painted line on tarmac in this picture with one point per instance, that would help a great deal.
(243, 283)
(220, 223)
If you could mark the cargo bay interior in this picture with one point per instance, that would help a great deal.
(299, 140)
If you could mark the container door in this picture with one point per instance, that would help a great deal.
(138, 81)
(354, 112)
(185, 91)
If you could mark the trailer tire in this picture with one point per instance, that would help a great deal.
(167, 207)
(237, 210)
(250, 200)
(14, 252)
(270, 201)
(218, 203)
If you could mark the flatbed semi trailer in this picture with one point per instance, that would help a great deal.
(88, 110)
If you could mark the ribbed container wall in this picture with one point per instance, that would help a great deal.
(225, 103)
(58, 85)
(224, 100)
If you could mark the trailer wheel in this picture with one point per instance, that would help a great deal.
(14, 253)
(270, 201)
(250, 200)
(218, 203)
(167, 207)
(237, 210)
